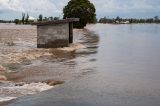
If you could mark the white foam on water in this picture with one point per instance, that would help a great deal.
(5, 99)
(26, 89)
(73, 47)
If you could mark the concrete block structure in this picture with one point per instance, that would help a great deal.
(54, 34)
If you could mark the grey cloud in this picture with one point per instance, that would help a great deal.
(111, 8)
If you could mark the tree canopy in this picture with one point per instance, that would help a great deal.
(40, 17)
(82, 9)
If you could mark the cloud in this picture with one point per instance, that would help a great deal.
(111, 8)
(14, 5)
(127, 8)
(33, 7)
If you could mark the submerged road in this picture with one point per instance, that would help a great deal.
(122, 69)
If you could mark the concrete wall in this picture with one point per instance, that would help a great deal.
(53, 36)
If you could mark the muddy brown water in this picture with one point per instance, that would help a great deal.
(120, 66)
(26, 63)
(61, 65)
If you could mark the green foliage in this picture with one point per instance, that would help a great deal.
(47, 18)
(50, 18)
(82, 9)
(156, 19)
(105, 20)
(118, 18)
(56, 18)
(27, 17)
(6, 21)
(40, 17)
(16, 21)
(130, 20)
(23, 18)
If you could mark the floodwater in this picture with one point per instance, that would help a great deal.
(119, 66)
(30, 68)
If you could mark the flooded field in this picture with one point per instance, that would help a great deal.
(28, 69)
(113, 65)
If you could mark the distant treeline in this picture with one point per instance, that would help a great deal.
(119, 20)
(41, 18)
(4, 21)
(27, 20)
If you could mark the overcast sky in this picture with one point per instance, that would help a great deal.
(10, 9)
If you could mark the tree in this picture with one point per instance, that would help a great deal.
(51, 18)
(156, 19)
(40, 17)
(27, 17)
(118, 19)
(45, 19)
(23, 17)
(103, 20)
(56, 18)
(16, 21)
(149, 20)
(130, 20)
(82, 9)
